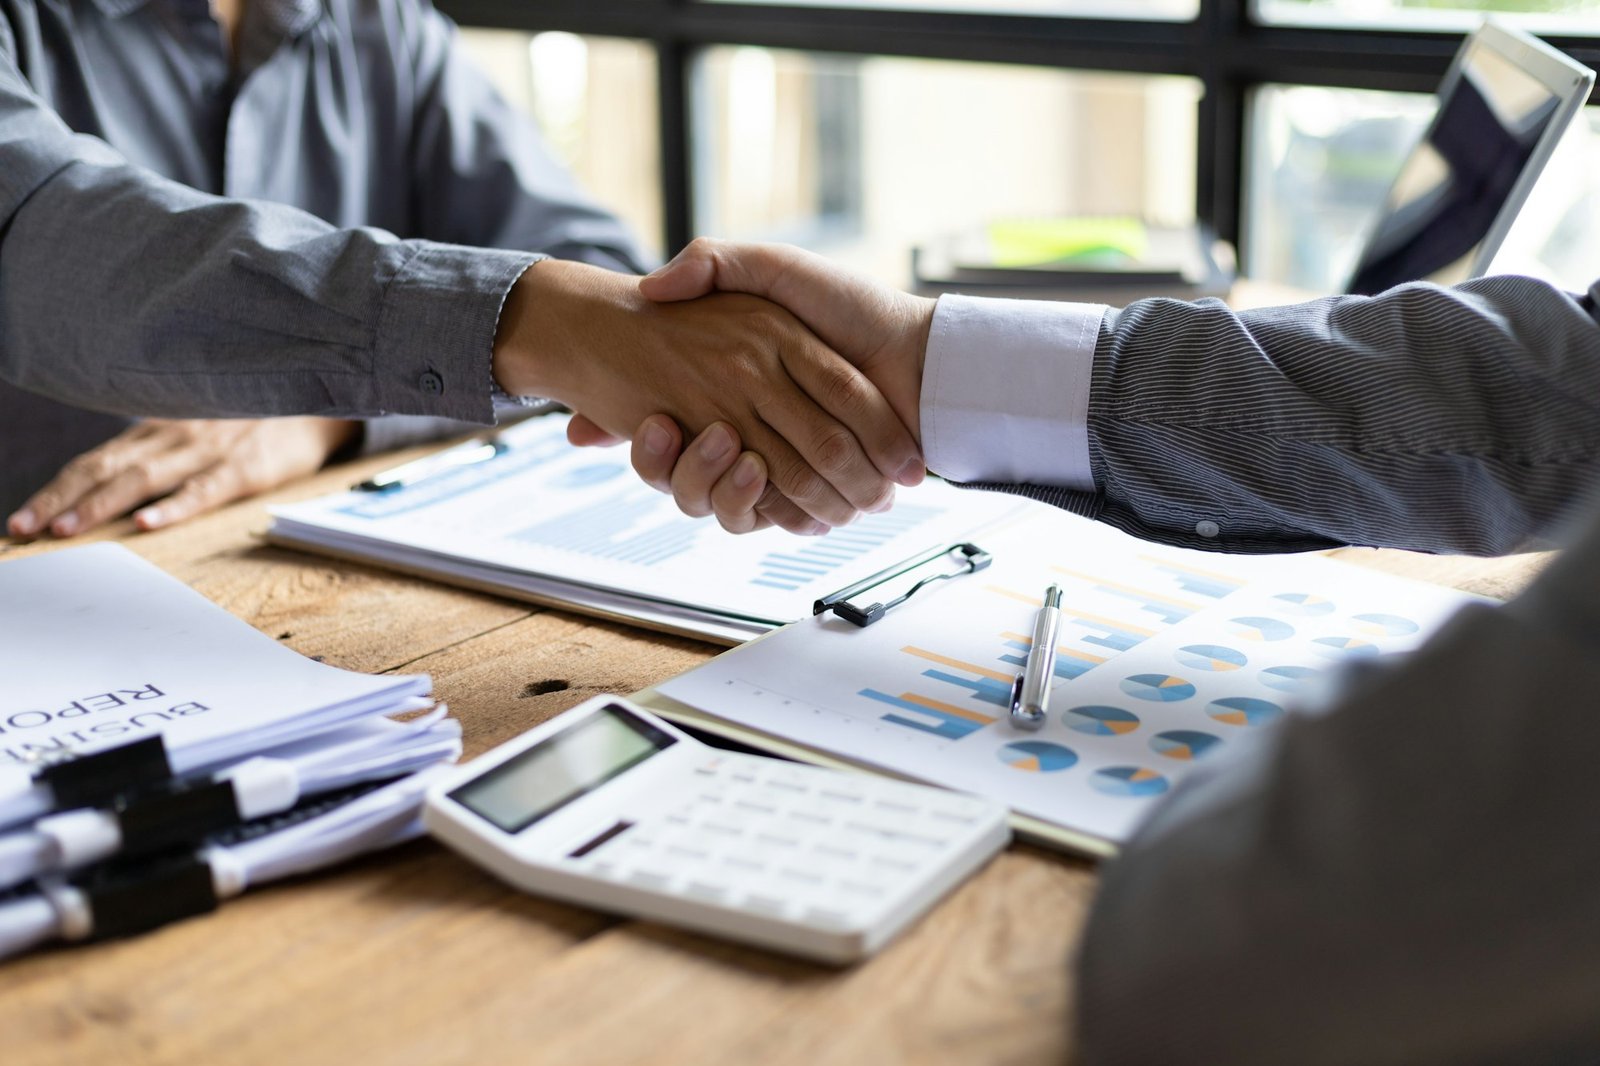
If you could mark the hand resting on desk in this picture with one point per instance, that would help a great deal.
(188, 467)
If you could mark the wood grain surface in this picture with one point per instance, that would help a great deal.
(415, 957)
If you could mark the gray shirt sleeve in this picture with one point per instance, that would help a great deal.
(1409, 878)
(1464, 419)
(124, 292)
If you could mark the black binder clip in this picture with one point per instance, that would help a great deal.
(96, 779)
(968, 559)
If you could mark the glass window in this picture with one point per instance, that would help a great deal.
(1174, 10)
(1322, 161)
(863, 158)
(595, 100)
(1557, 232)
(1320, 164)
(1539, 16)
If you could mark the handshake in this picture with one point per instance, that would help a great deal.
(798, 381)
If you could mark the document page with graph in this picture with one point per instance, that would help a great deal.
(577, 526)
(1165, 657)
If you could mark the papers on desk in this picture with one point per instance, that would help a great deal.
(544, 521)
(1166, 657)
(142, 728)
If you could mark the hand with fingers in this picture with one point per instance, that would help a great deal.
(738, 371)
(882, 332)
(185, 467)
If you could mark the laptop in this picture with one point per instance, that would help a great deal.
(1505, 102)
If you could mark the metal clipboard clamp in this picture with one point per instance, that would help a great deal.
(967, 559)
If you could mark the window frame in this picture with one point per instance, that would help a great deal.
(1224, 47)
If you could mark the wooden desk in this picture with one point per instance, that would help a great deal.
(414, 956)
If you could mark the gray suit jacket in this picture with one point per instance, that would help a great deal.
(1410, 875)
(1464, 419)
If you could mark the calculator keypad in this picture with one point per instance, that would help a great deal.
(792, 842)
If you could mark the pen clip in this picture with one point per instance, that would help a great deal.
(429, 466)
(969, 558)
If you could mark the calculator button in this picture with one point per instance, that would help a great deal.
(705, 890)
(651, 879)
(765, 904)
(808, 877)
(829, 918)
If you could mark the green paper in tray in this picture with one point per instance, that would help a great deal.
(1089, 242)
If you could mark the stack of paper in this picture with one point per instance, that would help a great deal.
(538, 519)
(141, 726)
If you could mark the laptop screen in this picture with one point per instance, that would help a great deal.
(1458, 190)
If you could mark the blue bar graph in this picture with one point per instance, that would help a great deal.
(1200, 582)
(795, 568)
(942, 720)
(1166, 608)
(1069, 663)
(615, 529)
(986, 689)
(1117, 636)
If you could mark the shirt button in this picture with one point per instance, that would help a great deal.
(1207, 529)
(430, 383)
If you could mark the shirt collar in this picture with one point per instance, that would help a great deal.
(289, 18)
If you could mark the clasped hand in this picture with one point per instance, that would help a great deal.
(823, 438)
(881, 332)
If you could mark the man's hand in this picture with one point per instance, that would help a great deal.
(740, 370)
(882, 331)
(187, 467)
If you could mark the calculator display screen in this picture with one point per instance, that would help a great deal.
(559, 769)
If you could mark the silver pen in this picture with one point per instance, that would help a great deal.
(1030, 692)
(408, 474)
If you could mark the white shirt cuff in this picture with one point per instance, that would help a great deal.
(1005, 390)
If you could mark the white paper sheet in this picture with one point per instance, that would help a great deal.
(1165, 657)
(579, 518)
(98, 648)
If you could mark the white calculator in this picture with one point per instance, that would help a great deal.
(610, 807)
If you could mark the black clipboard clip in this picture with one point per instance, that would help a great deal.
(968, 558)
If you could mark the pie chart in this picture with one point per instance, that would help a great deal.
(1343, 647)
(1243, 710)
(1129, 781)
(1101, 721)
(1303, 603)
(1385, 625)
(1158, 688)
(1211, 657)
(1185, 744)
(1037, 756)
(1261, 629)
(1285, 678)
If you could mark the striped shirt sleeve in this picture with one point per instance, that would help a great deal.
(1461, 419)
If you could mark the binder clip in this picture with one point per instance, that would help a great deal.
(966, 558)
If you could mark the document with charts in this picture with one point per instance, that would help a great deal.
(543, 520)
(1166, 657)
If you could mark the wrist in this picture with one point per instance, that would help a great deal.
(530, 336)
